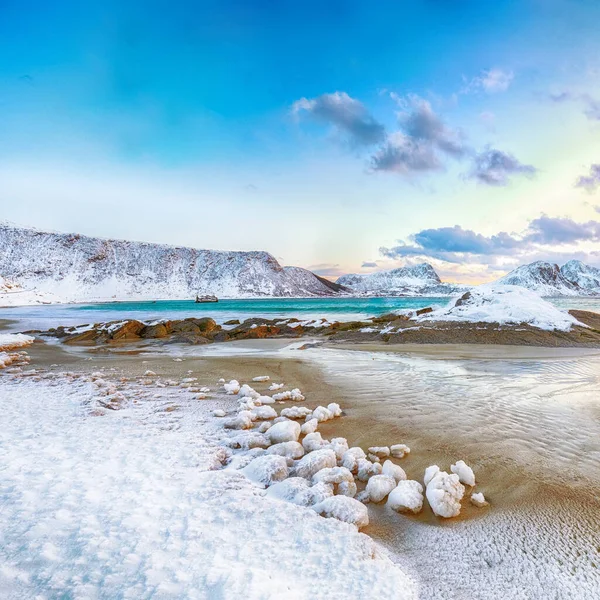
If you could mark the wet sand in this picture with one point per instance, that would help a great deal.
(526, 419)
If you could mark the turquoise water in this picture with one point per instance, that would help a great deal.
(44, 317)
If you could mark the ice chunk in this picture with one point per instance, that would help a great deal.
(247, 392)
(322, 414)
(392, 470)
(249, 440)
(347, 488)
(380, 451)
(350, 458)
(314, 441)
(284, 431)
(334, 409)
(289, 450)
(344, 509)
(296, 412)
(264, 426)
(289, 489)
(430, 473)
(366, 469)
(379, 486)
(266, 469)
(264, 400)
(295, 395)
(261, 378)
(333, 475)
(464, 472)
(444, 493)
(406, 496)
(399, 450)
(310, 426)
(339, 446)
(242, 421)
(276, 386)
(233, 387)
(219, 412)
(313, 462)
(478, 500)
(265, 412)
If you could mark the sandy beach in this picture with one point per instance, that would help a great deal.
(525, 419)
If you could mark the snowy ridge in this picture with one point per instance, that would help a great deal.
(572, 279)
(81, 268)
(504, 304)
(411, 281)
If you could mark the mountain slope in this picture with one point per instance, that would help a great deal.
(418, 280)
(542, 277)
(586, 277)
(81, 268)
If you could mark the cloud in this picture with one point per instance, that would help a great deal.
(458, 245)
(491, 82)
(591, 106)
(368, 265)
(346, 114)
(495, 167)
(422, 140)
(590, 182)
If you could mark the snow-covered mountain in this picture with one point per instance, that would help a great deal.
(12, 294)
(81, 268)
(410, 281)
(584, 276)
(572, 279)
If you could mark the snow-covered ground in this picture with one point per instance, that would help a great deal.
(128, 504)
(504, 304)
(12, 294)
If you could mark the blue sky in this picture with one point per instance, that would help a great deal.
(332, 134)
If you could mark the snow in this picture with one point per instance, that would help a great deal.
(379, 486)
(309, 427)
(267, 469)
(407, 496)
(478, 500)
(344, 509)
(264, 412)
(350, 458)
(379, 451)
(233, 387)
(295, 395)
(464, 472)
(366, 469)
(296, 412)
(314, 441)
(276, 386)
(444, 493)
(284, 431)
(289, 450)
(12, 294)
(14, 341)
(149, 519)
(503, 304)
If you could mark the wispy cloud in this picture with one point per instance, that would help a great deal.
(494, 167)
(368, 265)
(491, 82)
(590, 182)
(346, 114)
(591, 106)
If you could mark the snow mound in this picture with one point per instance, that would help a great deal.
(284, 431)
(407, 496)
(344, 509)
(312, 463)
(294, 395)
(379, 486)
(503, 304)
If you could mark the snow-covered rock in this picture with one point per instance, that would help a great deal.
(430, 473)
(249, 440)
(265, 412)
(412, 281)
(379, 451)
(261, 378)
(14, 341)
(313, 462)
(314, 441)
(339, 446)
(444, 493)
(233, 387)
(294, 395)
(379, 486)
(503, 304)
(284, 431)
(464, 472)
(344, 509)
(393, 470)
(248, 392)
(266, 469)
(296, 412)
(407, 496)
(81, 268)
(366, 469)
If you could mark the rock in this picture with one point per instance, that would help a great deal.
(424, 311)
(399, 450)
(126, 331)
(206, 325)
(380, 451)
(232, 322)
(157, 331)
(188, 337)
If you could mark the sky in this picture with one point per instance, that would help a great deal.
(339, 136)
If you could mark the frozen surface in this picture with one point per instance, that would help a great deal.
(125, 506)
(504, 304)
